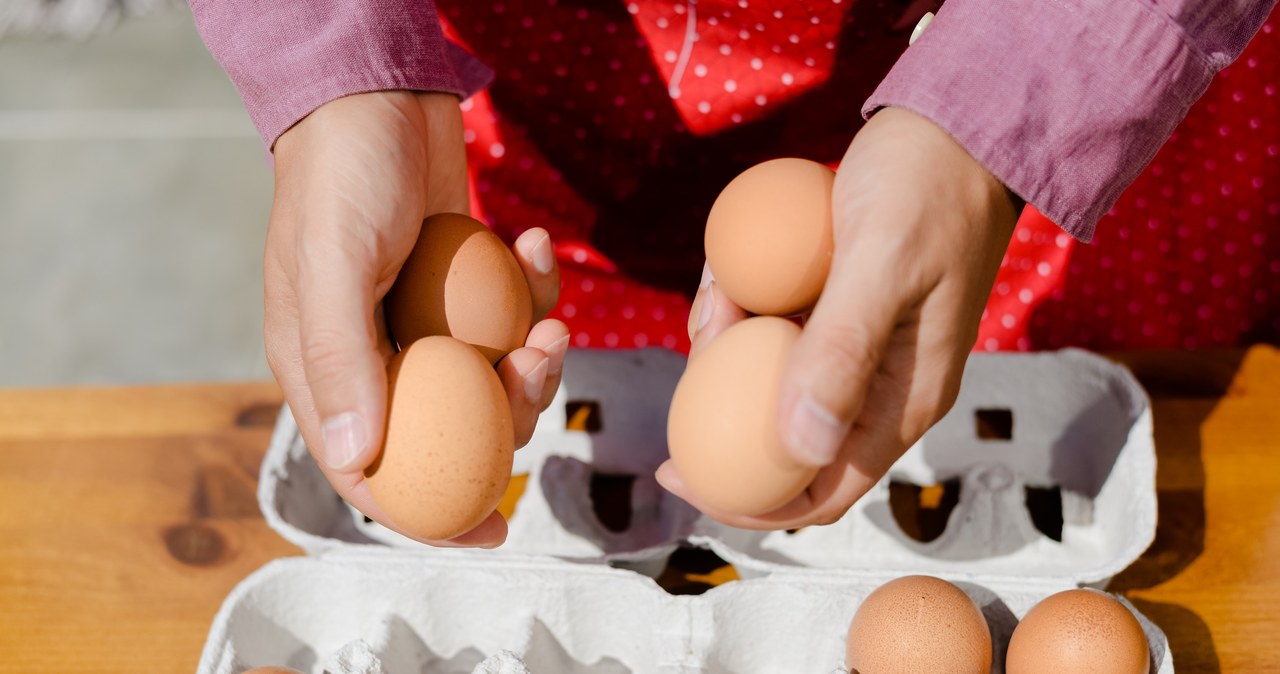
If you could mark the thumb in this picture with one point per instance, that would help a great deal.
(832, 365)
(339, 347)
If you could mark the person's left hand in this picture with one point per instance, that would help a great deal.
(920, 228)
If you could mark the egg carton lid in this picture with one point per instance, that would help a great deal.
(1075, 421)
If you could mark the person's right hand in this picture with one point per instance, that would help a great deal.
(354, 180)
(919, 229)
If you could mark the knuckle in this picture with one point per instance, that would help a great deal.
(949, 393)
(280, 357)
(276, 361)
(323, 357)
(848, 352)
(321, 246)
(931, 410)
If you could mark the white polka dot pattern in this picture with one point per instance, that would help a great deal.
(591, 96)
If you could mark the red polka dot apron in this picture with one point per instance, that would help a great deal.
(615, 124)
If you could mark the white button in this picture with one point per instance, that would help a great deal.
(919, 29)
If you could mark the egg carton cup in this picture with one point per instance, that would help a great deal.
(554, 516)
(1076, 422)
(568, 586)
(393, 611)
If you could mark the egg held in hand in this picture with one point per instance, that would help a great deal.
(769, 238)
(722, 429)
(1079, 631)
(461, 281)
(447, 457)
(919, 624)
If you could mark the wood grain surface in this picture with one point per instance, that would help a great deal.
(128, 514)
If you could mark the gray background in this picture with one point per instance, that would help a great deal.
(134, 196)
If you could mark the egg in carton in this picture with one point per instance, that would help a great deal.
(393, 611)
(1070, 420)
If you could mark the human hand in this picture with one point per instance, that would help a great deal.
(920, 228)
(354, 180)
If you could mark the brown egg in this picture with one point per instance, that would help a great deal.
(918, 624)
(447, 457)
(721, 429)
(462, 281)
(768, 237)
(1079, 631)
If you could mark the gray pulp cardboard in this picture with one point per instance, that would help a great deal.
(566, 594)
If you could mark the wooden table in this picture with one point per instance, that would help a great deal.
(128, 514)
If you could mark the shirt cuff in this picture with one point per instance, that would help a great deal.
(1065, 102)
(288, 58)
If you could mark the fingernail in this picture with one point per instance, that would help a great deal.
(344, 438)
(535, 380)
(694, 312)
(708, 306)
(540, 255)
(707, 278)
(815, 433)
(556, 353)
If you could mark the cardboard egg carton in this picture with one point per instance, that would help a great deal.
(568, 594)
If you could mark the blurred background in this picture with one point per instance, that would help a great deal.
(134, 196)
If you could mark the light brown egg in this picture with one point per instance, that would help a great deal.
(768, 237)
(721, 430)
(919, 624)
(1079, 631)
(462, 281)
(448, 452)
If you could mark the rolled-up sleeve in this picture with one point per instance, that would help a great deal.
(289, 57)
(1066, 101)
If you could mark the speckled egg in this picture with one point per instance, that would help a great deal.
(1079, 631)
(461, 281)
(918, 624)
(449, 444)
(722, 430)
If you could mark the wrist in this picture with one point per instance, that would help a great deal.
(947, 168)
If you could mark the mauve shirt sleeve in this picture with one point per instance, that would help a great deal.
(289, 57)
(1066, 101)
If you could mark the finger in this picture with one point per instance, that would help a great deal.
(537, 259)
(385, 348)
(446, 170)
(524, 374)
(284, 356)
(696, 318)
(832, 493)
(825, 382)
(490, 533)
(915, 384)
(715, 312)
(341, 360)
(552, 338)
